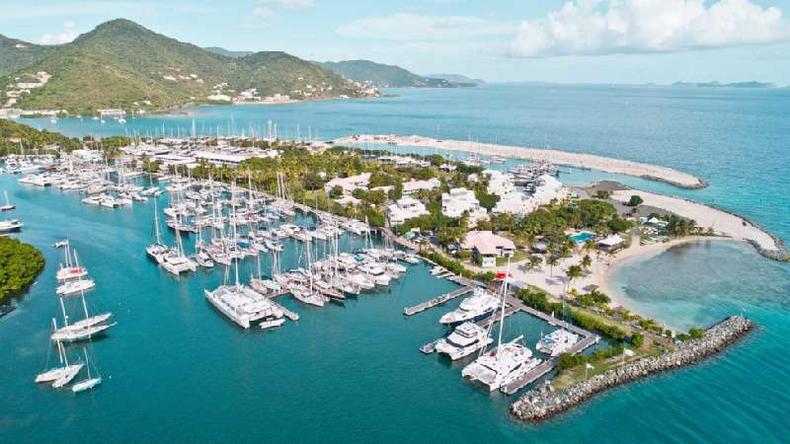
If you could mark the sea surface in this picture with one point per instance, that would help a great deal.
(176, 370)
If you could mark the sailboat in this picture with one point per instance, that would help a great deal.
(175, 261)
(69, 269)
(8, 205)
(88, 383)
(72, 277)
(240, 303)
(504, 363)
(157, 250)
(56, 373)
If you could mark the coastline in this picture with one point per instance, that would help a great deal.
(566, 158)
(544, 402)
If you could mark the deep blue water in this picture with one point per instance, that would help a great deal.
(180, 372)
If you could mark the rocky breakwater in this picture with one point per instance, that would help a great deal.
(542, 403)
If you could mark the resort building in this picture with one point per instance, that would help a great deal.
(611, 243)
(404, 209)
(349, 184)
(499, 183)
(486, 247)
(414, 186)
(459, 201)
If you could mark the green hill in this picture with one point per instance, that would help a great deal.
(16, 54)
(228, 52)
(121, 64)
(458, 79)
(384, 76)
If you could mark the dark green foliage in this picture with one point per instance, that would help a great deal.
(31, 139)
(19, 265)
(634, 201)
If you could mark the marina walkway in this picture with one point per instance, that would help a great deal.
(439, 300)
(288, 313)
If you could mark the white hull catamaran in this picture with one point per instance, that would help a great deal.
(505, 362)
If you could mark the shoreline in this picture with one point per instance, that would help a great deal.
(543, 403)
(566, 158)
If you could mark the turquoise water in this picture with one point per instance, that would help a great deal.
(582, 237)
(178, 371)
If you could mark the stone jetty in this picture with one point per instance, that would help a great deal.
(542, 403)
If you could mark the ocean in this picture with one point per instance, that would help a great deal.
(176, 370)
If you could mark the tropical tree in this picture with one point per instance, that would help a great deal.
(573, 272)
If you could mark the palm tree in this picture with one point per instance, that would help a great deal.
(586, 262)
(573, 272)
(552, 260)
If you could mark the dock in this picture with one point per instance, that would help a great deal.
(439, 300)
(288, 313)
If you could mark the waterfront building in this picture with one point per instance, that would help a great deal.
(486, 247)
(404, 209)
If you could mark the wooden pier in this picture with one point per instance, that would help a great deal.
(419, 308)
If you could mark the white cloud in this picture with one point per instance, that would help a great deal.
(630, 26)
(404, 26)
(68, 34)
(288, 3)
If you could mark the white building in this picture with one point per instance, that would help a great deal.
(459, 201)
(349, 184)
(414, 186)
(404, 209)
(487, 247)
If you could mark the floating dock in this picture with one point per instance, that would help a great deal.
(439, 300)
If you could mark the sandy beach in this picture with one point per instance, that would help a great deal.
(578, 160)
(722, 222)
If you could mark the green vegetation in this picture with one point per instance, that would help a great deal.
(539, 300)
(384, 76)
(16, 54)
(567, 361)
(456, 266)
(635, 201)
(122, 65)
(19, 265)
(15, 136)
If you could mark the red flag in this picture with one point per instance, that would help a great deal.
(501, 275)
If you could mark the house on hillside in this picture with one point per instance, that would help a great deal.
(404, 209)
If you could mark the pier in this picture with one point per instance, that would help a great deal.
(439, 300)
(288, 313)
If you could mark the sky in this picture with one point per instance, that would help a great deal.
(589, 41)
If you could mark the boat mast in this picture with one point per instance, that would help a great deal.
(504, 298)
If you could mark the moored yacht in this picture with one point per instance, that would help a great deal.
(477, 306)
(466, 339)
(557, 342)
(501, 365)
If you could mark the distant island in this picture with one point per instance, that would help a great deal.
(458, 79)
(122, 67)
(716, 84)
(380, 75)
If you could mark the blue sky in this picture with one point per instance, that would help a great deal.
(601, 41)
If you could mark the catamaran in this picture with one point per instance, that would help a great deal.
(477, 306)
(505, 363)
(175, 261)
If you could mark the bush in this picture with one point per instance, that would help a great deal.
(635, 201)
(19, 265)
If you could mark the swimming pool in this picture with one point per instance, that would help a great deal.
(582, 237)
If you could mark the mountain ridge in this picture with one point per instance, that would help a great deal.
(121, 64)
(382, 75)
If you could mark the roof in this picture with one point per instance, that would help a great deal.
(486, 242)
(611, 240)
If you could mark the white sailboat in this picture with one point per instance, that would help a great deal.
(8, 205)
(88, 383)
(157, 250)
(55, 373)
